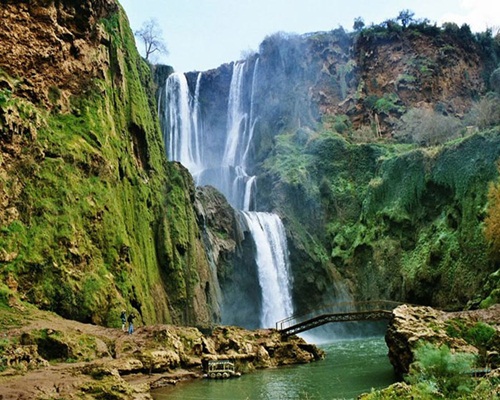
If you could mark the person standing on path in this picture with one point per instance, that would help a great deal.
(123, 317)
(130, 320)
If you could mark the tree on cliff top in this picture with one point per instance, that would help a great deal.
(359, 24)
(406, 17)
(151, 36)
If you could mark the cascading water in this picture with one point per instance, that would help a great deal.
(272, 258)
(182, 139)
(226, 169)
(237, 119)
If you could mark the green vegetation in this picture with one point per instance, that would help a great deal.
(387, 104)
(388, 194)
(401, 221)
(406, 24)
(102, 221)
(437, 370)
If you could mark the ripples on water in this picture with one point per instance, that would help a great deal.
(351, 367)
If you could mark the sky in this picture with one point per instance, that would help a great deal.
(203, 34)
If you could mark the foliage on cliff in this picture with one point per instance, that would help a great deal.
(394, 221)
(442, 355)
(492, 222)
(385, 197)
(94, 220)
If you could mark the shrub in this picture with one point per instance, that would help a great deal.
(486, 112)
(364, 134)
(5, 96)
(480, 334)
(341, 124)
(5, 293)
(451, 28)
(495, 80)
(441, 371)
(427, 127)
(388, 104)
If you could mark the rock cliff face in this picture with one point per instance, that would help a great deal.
(370, 77)
(424, 67)
(414, 326)
(54, 46)
(367, 217)
(93, 219)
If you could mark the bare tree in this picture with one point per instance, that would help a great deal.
(151, 36)
(427, 127)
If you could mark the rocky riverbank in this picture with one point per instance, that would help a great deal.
(428, 347)
(44, 356)
(458, 330)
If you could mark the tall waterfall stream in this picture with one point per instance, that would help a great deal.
(224, 165)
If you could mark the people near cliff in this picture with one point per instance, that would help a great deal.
(130, 320)
(123, 317)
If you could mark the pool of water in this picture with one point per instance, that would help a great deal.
(351, 367)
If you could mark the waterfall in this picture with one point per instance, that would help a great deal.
(221, 159)
(181, 137)
(236, 117)
(249, 187)
(195, 121)
(252, 120)
(273, 266)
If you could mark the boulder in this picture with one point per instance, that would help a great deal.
(411, 325)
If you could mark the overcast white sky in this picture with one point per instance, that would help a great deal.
(203, 34)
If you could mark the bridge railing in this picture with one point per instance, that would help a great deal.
(337, 308)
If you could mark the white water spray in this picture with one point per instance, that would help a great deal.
(273, 266)
(182, 139)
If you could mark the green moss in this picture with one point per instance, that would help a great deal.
(5, 96)
(402, 223)
(493, 298)
(399, 185)
(108, 388)
(389, 103)
(102, 216)
(463, 177)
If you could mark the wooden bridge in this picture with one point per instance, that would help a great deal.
(339, 312)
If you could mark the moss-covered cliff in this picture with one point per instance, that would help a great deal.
(388, 221)
(382, 195)
(376, 148)
(93, 218)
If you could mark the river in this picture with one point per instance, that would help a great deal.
(351, 367)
